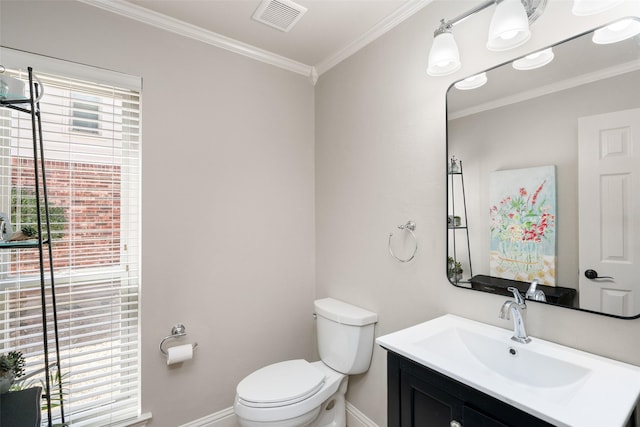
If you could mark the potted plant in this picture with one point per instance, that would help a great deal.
(454, 270)
(11, 368)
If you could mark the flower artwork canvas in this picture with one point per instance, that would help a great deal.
(523, 224)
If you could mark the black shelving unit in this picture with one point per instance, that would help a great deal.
(31, 106)
(456, 179)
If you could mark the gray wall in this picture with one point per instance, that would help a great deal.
(381, 160)
(227, 198)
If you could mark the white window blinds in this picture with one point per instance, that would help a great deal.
(91, 139)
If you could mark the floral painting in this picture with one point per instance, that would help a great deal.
(523, 224)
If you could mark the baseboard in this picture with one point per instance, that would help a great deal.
(224, 418)
(355, 418)
(227, 418)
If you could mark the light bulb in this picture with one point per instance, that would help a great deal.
(472, 82)
(592, 7)
(508, 35)
(620, 25)
(617, 32)
(534, 60)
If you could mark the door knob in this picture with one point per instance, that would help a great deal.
(593, 275)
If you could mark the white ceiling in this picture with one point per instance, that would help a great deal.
(328, 32)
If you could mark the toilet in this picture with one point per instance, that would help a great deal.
(297, 393)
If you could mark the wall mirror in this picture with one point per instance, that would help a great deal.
(543, 177)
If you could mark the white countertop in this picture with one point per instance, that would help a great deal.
(558, 384)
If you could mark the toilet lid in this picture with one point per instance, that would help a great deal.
(280, 384)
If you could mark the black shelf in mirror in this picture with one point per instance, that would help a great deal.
(496, 285)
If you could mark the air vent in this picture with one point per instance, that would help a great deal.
(280, 14)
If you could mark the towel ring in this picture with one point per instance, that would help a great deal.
(177, 331)
(410, 226)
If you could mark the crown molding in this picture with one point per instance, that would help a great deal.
(182, 28)
(164, 22)
(570, 83)
(400, 15)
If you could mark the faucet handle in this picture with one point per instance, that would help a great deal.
(516, 296)
(534, 293)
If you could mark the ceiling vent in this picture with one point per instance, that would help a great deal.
(280, 14)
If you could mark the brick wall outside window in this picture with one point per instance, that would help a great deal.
(89, 196)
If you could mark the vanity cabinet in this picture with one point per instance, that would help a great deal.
(421, 397)
(455, 372)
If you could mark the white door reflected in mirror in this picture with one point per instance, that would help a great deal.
(609, 231)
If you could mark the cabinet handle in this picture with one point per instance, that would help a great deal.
(455, 423)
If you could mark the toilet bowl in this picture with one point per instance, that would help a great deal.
(302, 391)
(296, 393)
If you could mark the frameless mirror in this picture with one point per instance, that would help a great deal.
(543, 177)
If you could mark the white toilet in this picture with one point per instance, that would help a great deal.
(297, 393)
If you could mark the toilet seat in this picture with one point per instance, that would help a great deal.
(293, 413)
(280, 384)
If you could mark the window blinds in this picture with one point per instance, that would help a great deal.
(91, 139)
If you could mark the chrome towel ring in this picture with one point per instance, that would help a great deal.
(410, 226)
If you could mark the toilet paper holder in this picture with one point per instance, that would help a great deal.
(177, 331)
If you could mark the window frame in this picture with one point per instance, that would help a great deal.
(129, 234)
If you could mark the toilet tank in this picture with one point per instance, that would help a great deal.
(345, 335)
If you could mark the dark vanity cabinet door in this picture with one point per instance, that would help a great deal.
(421, 397)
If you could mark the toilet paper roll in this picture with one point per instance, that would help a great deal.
(179, 353)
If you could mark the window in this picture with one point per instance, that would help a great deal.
(91, 134)
(85, 113)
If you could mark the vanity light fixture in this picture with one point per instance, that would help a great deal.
(616, 32)
(509, 28)
(444, 57)
(535, 60)
(591, 7)
(472, 82)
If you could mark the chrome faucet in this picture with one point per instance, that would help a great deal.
(535, 294)
(512, 309)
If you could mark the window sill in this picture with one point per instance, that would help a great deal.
(141, 421)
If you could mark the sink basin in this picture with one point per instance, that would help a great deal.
(505, 359)
(561, 385)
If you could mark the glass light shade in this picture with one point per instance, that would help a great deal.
(591, 7)
(472, 82)
(444, 57)
(509, 26)
(617, 32)
(535, 60)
